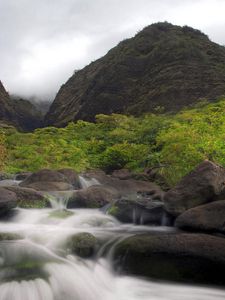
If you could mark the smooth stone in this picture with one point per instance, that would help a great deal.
(204, 184)
(209, 217)
(82, 244)
(180, 257)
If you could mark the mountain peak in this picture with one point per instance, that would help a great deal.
(163, 65)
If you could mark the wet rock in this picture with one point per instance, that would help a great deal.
(22, 175)
(9, 236)
(8, 200)
(8, 182)
(71, 176)
(138, 211)
(60, 214)
(122, 174)
(45, 175)
(204, 184)
(82, 244)
(209, 217)
(181, 257)
(47, 180)
(4, 176)
(50, 186)
(29, 198)
(126, 186)
(92, 197)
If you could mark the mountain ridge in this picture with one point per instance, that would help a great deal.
(163, 67)
(18, 112)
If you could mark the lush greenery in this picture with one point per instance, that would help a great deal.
(2, 151)
(174, 143)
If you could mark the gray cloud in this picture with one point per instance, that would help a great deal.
(42, 42)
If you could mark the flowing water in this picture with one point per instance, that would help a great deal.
(39, 267)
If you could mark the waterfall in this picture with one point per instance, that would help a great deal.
(59, 199)
(87, 182)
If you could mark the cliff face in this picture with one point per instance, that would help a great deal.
(6, 108)
(162, 67)
(18, 112)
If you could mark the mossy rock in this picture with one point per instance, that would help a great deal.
(113, 210)
(8, 236)
(82, 244)
(180, 257)
(27, 270)
(41, 203)
(60, 214)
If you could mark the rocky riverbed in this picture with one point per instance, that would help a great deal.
(97, 236)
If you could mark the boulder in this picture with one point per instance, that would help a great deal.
(47, 180)
(71, 176)
(22, 175)
(50, 186)
(209, 217)
(45, 175)
(122, 174)
(92, 197)
(181, 257)
(4, 176)
(126, 186)
(82, 244)
(138, 211)
(29, 198)
(8, 200)
(10, 236)
(204, 184)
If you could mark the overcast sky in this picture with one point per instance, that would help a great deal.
(43, 41)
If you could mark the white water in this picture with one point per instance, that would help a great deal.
(58, 275)
(87, 182)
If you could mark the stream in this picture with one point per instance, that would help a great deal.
(39, 267)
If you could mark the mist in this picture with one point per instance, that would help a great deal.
(43, 42)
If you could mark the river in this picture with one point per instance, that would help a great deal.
(38, 266)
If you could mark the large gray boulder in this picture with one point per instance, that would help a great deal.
(47, 180)
(181, 257)
(209, 217)
(8, 200)
(71, 176)
(126, 186)
(93, 197)
(29, 198)
(204, 184)
(138, 211)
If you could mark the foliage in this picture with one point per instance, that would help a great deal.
(2, 150)
(174, 143)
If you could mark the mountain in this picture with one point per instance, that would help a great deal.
(164, 67)
(18, 112)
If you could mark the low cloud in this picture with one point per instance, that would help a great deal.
(43, 42)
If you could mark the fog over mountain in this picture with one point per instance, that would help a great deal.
(43, 42)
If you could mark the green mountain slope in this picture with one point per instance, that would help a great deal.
(164, 67)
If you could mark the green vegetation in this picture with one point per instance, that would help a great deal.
(2, 150)
(60, 214)
(113, 210)
(41, 203)
(8, 236)
(174, 143)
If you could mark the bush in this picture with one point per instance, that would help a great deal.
(2, 151)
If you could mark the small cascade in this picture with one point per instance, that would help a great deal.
(87, 182)
(38, 266)
(167, 220)
(59, 200)
(9, 182)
